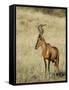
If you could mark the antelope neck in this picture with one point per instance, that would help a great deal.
(43, 46)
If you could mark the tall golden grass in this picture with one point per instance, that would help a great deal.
(29, 62)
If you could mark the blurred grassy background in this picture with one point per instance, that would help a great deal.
(29, 62)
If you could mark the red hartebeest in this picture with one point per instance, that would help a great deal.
(49, 52)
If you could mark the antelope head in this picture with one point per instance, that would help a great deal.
(40, 38)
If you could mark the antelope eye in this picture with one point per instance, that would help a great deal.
(40, 38)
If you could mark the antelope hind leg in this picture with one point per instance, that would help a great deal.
(56, 68)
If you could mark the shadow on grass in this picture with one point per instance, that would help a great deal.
(61, 74)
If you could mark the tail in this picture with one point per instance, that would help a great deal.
(57, 61)
(58, 58)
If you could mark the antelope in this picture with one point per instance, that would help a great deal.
(50, 53)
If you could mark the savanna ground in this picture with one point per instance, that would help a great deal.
(29, 62)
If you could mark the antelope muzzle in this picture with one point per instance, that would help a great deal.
(35, 46)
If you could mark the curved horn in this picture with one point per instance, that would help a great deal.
(40, 29)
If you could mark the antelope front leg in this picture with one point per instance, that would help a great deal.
(49, 68)
(45, 67)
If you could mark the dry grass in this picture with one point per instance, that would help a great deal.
(29, 62)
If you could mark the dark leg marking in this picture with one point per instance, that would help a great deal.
(49, 66)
